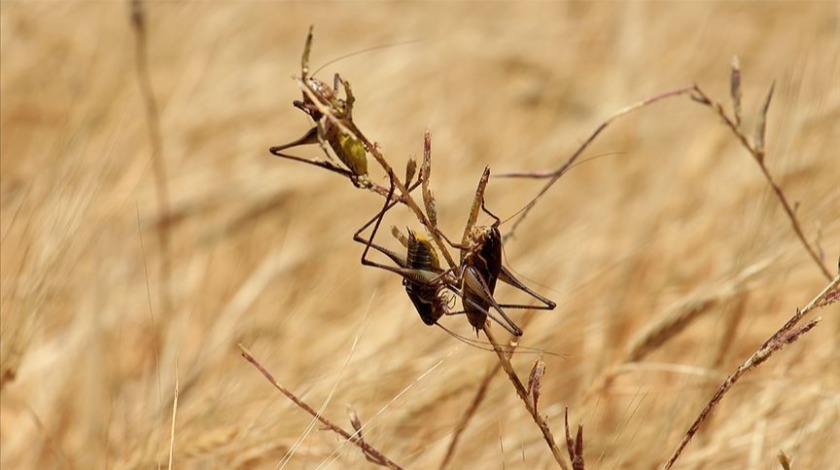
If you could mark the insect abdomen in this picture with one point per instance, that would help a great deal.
(485, 265)
(425, 295)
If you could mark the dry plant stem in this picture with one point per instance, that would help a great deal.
(784, 460)
(174, 415)
(480, 394)
(757, 358)
(758, 155)
(671, 322)
(574, 446)
(785, 335)
(138, 23)
(556, 174)
(525, 397)
(370, 452)
(478, 398)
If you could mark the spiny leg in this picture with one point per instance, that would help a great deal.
(474, 282)
(376, 221)
(319, 163)
(508, 278)
(496, 220)
(419, 275)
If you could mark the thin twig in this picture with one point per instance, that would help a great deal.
(370, 452)
(138, 23)
(526, 398)
(556, 174)
(758, 155)
(478, 398)
(469, 413)
(784, 336)
(668, 324)
(480, 394)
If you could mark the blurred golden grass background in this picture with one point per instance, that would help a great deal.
(674, 211)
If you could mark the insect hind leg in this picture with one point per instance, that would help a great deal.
(476, 283)
(376, 221)
(508, 278)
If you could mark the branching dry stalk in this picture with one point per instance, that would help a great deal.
(787, 334)
(371, 453)
(755, 148)
(757, 151)
(555, 175)
(138, 23)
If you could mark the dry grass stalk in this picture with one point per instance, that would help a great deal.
(555, 175)
(478, 398)
(152, 114)
(574, 446)
(369, 451)
(357, 426)
(535, 380)
(174, 416)
(784, 460)
(785, 335)
(548, 437)
(469, 413)
(733, 311)
(671, 322)
(735, 89)
(680, 316)
(757, 151)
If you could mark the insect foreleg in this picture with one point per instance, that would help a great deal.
(310, 137)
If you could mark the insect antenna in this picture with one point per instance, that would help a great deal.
(484, 346)
(364, 51)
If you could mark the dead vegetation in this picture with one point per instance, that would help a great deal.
(673, 258)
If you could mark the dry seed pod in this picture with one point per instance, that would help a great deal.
(735, 89)
(410, 170)
(761, 126)
(535, 379)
